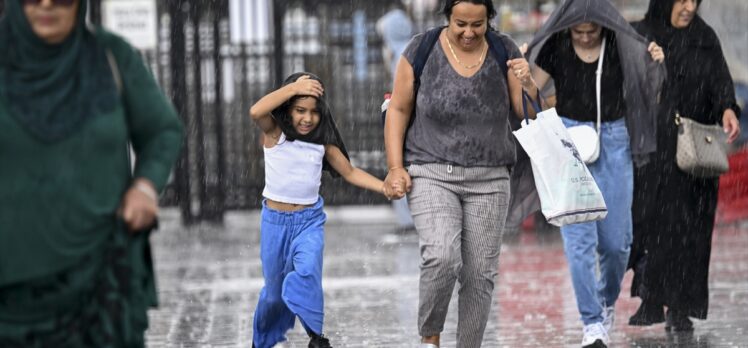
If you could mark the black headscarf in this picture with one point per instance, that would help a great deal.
(697, 34)
(683, 48)
(52, 89)
(326, 132)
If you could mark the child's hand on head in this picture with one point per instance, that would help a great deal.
(305, 85)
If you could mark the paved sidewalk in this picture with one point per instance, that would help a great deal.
(209, 278)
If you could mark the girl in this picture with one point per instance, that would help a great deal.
(301, 139)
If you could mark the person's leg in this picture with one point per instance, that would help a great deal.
(302, 287)
(272, 317)
(485, 203)
(613, 173)
(580, 242)
(437, 214)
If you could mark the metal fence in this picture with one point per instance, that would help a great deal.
(213, 81)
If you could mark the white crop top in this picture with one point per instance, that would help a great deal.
(293, 171)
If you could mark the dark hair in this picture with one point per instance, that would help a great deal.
(449, 4)
(604, 31)
(321, 103)
(282, 113)
(326, 131)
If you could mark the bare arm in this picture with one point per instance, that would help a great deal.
(396, 123)
(519, 78)
(541, 78)
(351, 174)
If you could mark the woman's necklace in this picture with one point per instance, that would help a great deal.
(480, 60)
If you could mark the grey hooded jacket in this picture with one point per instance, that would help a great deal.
(643, 77)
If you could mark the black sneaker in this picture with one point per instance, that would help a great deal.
(318, 341)
(678, 321)
(596, 344)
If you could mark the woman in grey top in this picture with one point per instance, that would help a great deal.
(458, 152)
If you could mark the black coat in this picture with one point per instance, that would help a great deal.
(673, 212)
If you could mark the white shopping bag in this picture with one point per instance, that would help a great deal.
(568, 193)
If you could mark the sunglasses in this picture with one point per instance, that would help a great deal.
(54, 2)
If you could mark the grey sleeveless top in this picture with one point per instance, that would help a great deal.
(460, 120)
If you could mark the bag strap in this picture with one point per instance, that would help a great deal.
(598, 82)
(432, 36)
(498, 50)
(427, 44)
(118, 82)
(422, 54)
(535, 105)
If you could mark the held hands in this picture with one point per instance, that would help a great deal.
(397, 183)
(521, 69)
(139, 206)
(305, 85)
(658, 55)
(731, 125)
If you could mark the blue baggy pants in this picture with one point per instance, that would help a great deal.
(291, 247)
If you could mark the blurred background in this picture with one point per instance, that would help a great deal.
(215, 58)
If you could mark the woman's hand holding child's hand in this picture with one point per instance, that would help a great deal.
(304, 85)
(397, 183)
(397, 189)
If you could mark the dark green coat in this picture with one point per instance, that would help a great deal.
(64, 255)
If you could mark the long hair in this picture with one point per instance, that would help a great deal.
(326, 132)
(282, 113)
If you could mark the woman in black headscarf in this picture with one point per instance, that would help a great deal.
(673, 211)
(75, 266)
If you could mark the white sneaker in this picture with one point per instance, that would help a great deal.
(609, 318)
(595, 336)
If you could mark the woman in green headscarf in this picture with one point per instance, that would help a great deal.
(75, 266)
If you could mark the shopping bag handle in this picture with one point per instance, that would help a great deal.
(535, 105)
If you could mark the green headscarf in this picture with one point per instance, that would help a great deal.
(52, 89)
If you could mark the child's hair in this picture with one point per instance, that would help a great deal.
(323, 133)
(326, 131)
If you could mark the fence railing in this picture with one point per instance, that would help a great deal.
(213, 80)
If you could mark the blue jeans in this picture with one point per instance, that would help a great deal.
(610, 238)
(291, 247)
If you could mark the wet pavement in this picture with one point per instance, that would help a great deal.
(209, 278)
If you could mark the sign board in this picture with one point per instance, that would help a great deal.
(135, 20)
